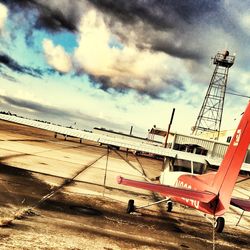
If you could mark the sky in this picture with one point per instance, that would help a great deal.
(117, 64)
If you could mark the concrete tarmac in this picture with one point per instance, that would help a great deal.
(90, 212)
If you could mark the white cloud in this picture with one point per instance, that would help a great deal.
(3, 15)
(124, 65)
(56, 56)
(244, 21)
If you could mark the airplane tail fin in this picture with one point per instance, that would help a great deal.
(229, 169)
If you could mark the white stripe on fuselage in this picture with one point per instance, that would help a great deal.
(172, 179)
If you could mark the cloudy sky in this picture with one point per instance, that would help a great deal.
(119, 63)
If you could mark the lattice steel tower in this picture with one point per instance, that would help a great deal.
(210, 116)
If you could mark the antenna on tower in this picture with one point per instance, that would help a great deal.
(210, 116)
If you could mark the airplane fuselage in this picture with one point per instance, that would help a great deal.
(189, 181)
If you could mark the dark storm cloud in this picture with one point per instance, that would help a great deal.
(174, 50)
(170, 91)
(159, 13)
(175, 20)
(15, 66)
(6, 60)
(36, 107)
(172, 22)
(105, 83)
(171, 86)
(169, 16)
(7, 76)
(162, 14)
(48, 17)
(186, 29)
(54, 20)
(172, 18)
(31, 105)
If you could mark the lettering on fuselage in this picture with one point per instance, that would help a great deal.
(193, 203)
(237, 137)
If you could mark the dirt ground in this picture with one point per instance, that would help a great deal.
(90, 212)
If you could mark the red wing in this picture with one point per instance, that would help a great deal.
(205, 197)
(241, 203)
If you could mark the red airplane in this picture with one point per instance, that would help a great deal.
(209, 193)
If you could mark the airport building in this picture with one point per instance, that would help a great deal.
(198, 145)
